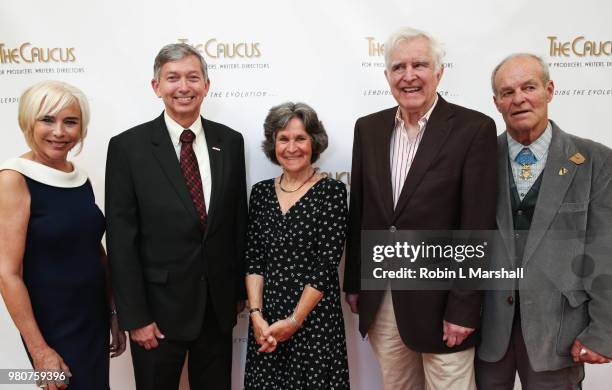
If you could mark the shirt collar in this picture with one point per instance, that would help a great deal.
(539, 147)
(422, 122)
(175, 129)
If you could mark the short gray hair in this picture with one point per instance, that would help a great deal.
(48, 98)
(176, 52)
(278, 118)
(407, 34)
(544, 76)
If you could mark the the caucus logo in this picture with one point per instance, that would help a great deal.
(27, 53)
(579, 46)
(578, 54)
(375, 48)
(241, 56)
(214, 48)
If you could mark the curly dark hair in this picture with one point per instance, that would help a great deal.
(278, 118)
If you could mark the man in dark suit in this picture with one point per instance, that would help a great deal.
(425, 165)
(176, 218)
(555, 218)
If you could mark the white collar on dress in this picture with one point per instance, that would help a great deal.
(46, 175)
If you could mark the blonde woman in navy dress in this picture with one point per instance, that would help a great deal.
(297, 227)
(52, 265)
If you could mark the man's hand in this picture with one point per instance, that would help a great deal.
(353, 302)
(147, 336)
(455, 334)
(581, 353)
(118, 344)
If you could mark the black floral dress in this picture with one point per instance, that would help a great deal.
(291, 250)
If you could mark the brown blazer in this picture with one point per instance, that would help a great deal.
(452, 184)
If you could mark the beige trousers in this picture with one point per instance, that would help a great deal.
(405, 369)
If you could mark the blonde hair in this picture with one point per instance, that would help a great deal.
(49, 98)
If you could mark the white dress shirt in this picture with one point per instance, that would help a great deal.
(539, 148)
(403, 150)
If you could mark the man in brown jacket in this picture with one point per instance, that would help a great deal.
(425, 165)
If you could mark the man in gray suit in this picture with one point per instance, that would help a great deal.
(554, 216)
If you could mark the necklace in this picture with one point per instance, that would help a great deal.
(280, 182)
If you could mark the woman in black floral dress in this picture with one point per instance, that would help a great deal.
(296, 235)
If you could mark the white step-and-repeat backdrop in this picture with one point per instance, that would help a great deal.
(261, 53)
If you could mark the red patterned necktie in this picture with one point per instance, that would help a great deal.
(191, 173)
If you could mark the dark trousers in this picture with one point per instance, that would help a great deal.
(500, 375)
(209, 360)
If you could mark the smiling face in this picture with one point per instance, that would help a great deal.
(182, 87)
(53, 136)
(522, 98)
(293, 147)
(413, 77)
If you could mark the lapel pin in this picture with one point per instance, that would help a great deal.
(216, 148)
(577, 159)
(562, 171)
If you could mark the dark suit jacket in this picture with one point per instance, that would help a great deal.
(161, 262)
(452, 184)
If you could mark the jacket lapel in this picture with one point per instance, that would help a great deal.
(165, 153)
(214, 142)
(436, 132)
(553, 188)
(382, 138)
(504, 205)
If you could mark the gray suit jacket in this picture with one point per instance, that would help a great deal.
(566, 292)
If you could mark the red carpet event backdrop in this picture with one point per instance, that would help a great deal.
(328, 54)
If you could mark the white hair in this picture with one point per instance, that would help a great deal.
(408, 34)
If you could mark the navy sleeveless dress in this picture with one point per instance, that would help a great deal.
(66, 279)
